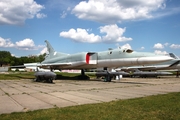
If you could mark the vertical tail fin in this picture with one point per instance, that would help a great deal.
(49, 47)
(51, 51)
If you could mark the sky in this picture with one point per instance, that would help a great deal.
(73, 26)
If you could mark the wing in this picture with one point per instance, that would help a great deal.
(55, 65)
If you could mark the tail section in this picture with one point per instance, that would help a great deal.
(49, 48)
(176, 61)
(52, 52)
(173, 56)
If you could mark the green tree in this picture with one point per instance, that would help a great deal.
(5, 57)
(42, 57)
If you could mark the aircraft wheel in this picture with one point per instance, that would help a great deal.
(109, 79)
(37, 79)
(50, 80)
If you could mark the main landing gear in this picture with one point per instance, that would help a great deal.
(177, 74)
(108, 78)
(83, 76)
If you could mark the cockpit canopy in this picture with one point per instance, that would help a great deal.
(125, 50)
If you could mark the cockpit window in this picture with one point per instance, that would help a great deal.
(128, 50)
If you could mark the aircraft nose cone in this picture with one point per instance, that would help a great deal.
(153, 60)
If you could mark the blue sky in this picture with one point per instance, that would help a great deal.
(73, 26)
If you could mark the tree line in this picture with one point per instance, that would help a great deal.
(7, 59)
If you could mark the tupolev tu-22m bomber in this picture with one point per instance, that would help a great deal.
(105, 60)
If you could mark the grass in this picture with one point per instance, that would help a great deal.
(30, 75)
(60, 76)
(17, 75)
(159, 107)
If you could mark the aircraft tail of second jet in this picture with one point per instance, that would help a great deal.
(173, 56)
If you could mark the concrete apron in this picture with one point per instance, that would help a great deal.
(25, 95)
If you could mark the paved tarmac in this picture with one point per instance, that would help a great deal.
(26, 95)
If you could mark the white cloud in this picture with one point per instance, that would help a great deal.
(175, 46)
(126, 46)
(158, 46)
(15, 12)
(26, 44)
(5, 42)
(12, 54)
(41, 15)
(166, 44)
(80, 35)
(160, 52)
(65, 12)
(142, 48)
(69, 8)
(113, 34)
(161, 46)
(44, 50)
(63, 15)
(112, 11)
